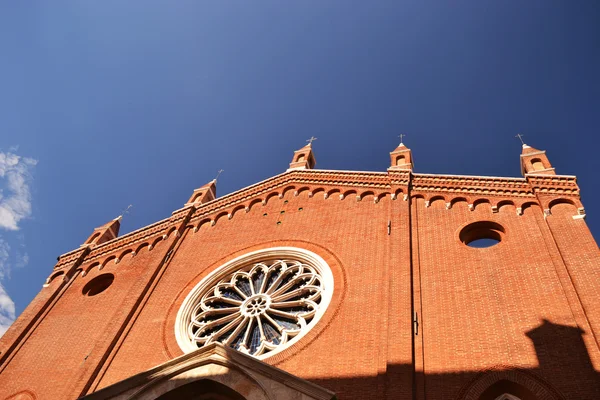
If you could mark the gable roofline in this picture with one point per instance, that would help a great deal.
(368, 180)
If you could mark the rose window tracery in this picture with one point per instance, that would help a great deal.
(259, 307)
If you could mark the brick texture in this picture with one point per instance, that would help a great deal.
(521, 316)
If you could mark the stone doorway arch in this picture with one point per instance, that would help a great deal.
(204, 389)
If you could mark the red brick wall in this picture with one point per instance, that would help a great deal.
(526, 306)
(58, 358)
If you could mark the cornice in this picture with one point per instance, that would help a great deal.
(372, 180)
(553, 184)
(472, 185)
(379, 184)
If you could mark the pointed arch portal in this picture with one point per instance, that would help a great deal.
(204, 389)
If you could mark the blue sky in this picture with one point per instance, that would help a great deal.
(106, 104)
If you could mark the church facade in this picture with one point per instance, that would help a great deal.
(323, 284)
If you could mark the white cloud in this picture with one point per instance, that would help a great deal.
(21, 260)
(15, 205)
(7, 310)
(4, 265)
(15, 195)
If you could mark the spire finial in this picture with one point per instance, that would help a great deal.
(312, 139)
(401, 136)
(218, 174)
(124, 212)
(520, 136)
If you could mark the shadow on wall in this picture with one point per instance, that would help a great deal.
(565, 372)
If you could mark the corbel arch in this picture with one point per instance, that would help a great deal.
(503, 203)
(529, 205)
(204, 221)
(107, 260)
(240, 207)
(303, 189)
(331, 192)
(562, 200)
(171, 230)
(142, 246)
(287, 189)
(347, 193)
(436, 199)
(219, 216)
(398, 192)
(270, 196)
(364, 195)
(481, 201)
(156, 241)
(380, 196)
(459, 199)
(254, 202)
(124, 253)
(53, 276)
(89, 267)
(318, 190)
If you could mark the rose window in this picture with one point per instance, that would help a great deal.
(259, 307)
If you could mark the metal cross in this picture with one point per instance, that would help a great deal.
(312, 139)
(218, 173)
(126, 211)
(520, 138)
(401, 136)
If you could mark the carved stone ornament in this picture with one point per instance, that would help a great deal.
(258, 304)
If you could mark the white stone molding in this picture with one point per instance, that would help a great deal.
(519, 211)
(507, 396)
(260, 303)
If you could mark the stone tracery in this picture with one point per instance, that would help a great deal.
(259, 307)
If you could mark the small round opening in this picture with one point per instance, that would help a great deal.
(98, 285)
(481, 234)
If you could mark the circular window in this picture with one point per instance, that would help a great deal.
(259, 304)
(98, 285)
(481, 234)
